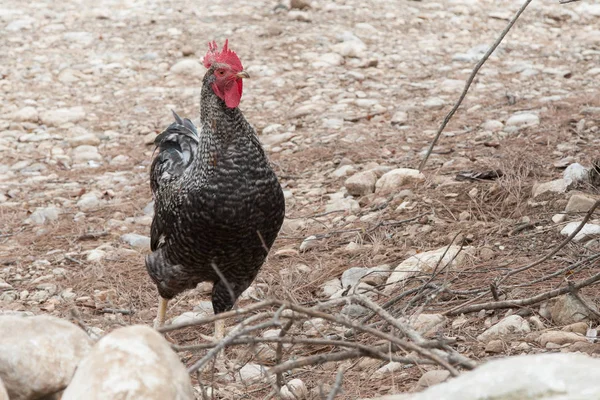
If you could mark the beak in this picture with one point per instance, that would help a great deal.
(242, 74)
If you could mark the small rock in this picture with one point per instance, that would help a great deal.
(377, 275)
(492, 125)
(556, 186)
(577, 327)
(343, 170)
(62, 116)
(333, 123)
(26, 114)
(41, 215)
(387, 370)
(331, 287)
(575, 173)
(399, 118)
(512, 324)
(120, 159)
(431, 378)
(251, 373)
(343, 204)
(188, 67)
(536, 323)
(187, 317)
(139, 362)
(588, 232)
(558, 218)
(85, 153)
(523, 120)
(362, 183)
(301, 16)
(294, 389)
(354, 310)
(88, 202)
(495, 346)
(392, 181)
(314, 327)
(352, 276)
(136, 241)
(38, 355)
(579, 203)
(299, 4)
(434, 103)
(568, 310)
(560, 338)
(3, 393)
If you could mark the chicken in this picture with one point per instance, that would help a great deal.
(218, 204)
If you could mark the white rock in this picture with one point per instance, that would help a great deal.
(96, 255)
(575, 173)
(314, 327)
(377, 275)
(140, 242)
(558, 218)
(333, 123)
(187, 317)
(558, 376)
(588, 232)
(81, 137)
(492, 125)
(523, 120)
(88, 202)
(392, 181)
(331, 287)
(38, 355)
(329, 59)
(426, 262)
(351, 48)
(513, 324)
(399, 118)
(20, 24)
(26, 114)
(86, 153)
(251, 373)
(120, 159)
(352, 276)
(452, 85)
(61, 116)
(387, 370)
(134, 362)
(309, 243)
(41, 215)
(434, 103)
(343, 171)
(555, 186)
(294, 390)
(188, 67)
(277, 138)
(343, 204)
(362, 183)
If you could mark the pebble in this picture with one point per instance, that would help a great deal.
(567, 310)
(492, 125)
(579, 203)
(399, 118)
(251, 372)
(510, 325)
(362, 183)
(41, 215)
(523, 120)
(555, 186)
(86, 153)
(434, 103)
(136, 241)
(295, 389)
(393, 180)
(188, 67)
(88, 202)
(575, 173)
(62, 116)
(26, 114)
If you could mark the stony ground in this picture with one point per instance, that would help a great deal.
(338, 88)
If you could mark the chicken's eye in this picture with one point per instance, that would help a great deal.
(221, 72)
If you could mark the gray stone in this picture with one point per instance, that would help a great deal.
(492, 125)
(428, 324)
(295, 389)
(431, 378)
(38, 355)
(41, 215)
(61, 116)
(560, 338)
(26, 114)
(400, 118)
(88, 202)
(134, 362)
(252, 373)
(343, 204)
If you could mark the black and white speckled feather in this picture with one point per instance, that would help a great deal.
(218, 203)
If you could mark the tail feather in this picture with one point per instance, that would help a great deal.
(177, 146)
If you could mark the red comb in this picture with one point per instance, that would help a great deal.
(225, 56)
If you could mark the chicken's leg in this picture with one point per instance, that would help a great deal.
(162, 313)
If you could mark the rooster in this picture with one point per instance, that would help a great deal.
(218, 204)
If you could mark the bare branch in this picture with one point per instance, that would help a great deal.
(470, 81)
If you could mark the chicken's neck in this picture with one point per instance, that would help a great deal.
(220, 121)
